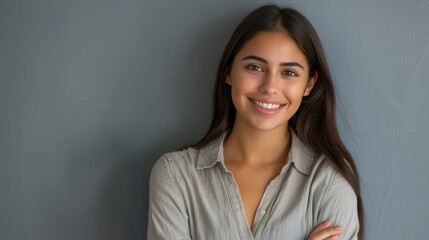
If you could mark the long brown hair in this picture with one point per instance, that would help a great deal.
(314, 122)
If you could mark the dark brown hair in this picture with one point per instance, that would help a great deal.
(314, 122)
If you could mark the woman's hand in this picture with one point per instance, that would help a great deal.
(325, 231)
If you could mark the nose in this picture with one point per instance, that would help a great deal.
(269, 84)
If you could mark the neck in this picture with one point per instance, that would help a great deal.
(257, 147)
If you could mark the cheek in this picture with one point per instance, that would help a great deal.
(294, 92)
(238, 93)
(242, 84)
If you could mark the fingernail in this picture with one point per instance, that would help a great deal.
(334, 237)
(338, 228)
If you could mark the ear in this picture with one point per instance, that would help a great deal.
(228, 79)
(311, 84)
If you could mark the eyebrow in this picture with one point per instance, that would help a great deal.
(290, 64)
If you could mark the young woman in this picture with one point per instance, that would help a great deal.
(272, 165)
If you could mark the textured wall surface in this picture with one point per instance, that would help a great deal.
(93, 92)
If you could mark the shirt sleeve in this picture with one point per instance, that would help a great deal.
(167, 212)
(339, 205)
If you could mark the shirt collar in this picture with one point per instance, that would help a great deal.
(211, 153)
(300, 156)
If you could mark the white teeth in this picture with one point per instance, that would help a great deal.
(267, 105)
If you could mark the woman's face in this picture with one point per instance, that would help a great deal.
(268, 78)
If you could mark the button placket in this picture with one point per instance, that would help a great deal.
(234, 195)
(267, 200)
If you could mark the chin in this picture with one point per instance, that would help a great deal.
(266, 127)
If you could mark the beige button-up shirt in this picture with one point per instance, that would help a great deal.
(194, 196)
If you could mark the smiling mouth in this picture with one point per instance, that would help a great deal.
(267, 105)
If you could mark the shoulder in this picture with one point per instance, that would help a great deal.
(172, 161)
(328, 180)
(334, 198)
(181, 171)
(192, 159)
(166, 173)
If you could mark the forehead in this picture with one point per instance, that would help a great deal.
(273, 45)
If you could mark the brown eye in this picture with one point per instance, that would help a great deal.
(254, 68)
(289, 73)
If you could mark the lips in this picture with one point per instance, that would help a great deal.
(266, 107)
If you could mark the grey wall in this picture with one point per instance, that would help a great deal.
(93, 92)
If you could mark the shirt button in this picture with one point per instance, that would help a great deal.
(263, 212)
